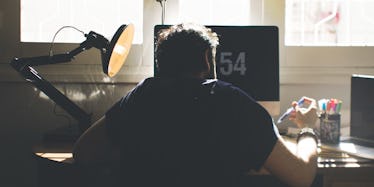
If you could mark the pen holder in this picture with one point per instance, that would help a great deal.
(330, 128)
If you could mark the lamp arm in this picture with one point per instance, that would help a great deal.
(32, 76)
(20, 63)
(93, 40)
(24, 67)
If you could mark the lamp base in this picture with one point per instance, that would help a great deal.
(68, 134)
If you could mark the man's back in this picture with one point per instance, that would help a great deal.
(187, 132)
(179, 132)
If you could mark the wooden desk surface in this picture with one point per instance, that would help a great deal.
(339, 169)
(327, 159)
(336, 168)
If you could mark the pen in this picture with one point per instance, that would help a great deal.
(289, 110)
(328, 106)
(333, 106)
(338, 108)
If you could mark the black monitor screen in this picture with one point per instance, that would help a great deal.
(248, 57)
(362, 107)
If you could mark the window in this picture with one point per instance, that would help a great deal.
(104, 17)
(215, 12)
(329, 23)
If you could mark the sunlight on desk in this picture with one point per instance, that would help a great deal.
(328, 158)
(349, 147)
(59, 157)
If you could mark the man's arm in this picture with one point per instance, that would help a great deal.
(295, 169)
(94, 145)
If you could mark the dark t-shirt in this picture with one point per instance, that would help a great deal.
(189, 132)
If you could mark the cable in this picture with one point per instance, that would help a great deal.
(162, 3)
(53, 40)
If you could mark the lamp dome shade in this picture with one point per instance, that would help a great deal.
(118, 49)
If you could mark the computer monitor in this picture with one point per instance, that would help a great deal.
(362, 107)
(248, 57)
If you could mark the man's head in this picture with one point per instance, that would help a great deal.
(186, 50)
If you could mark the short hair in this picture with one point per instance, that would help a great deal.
(181, 49)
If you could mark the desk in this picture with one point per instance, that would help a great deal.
(335, 169)
(343, 170)
(339, 169)
(56, 167)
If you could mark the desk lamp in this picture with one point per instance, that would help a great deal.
(113, 56)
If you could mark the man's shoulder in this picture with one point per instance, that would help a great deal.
(217, 86)
(227, 87)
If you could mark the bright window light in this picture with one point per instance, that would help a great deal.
(215, 12)
(41, 19)
(329, 23)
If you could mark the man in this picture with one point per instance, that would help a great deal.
(185, 128)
